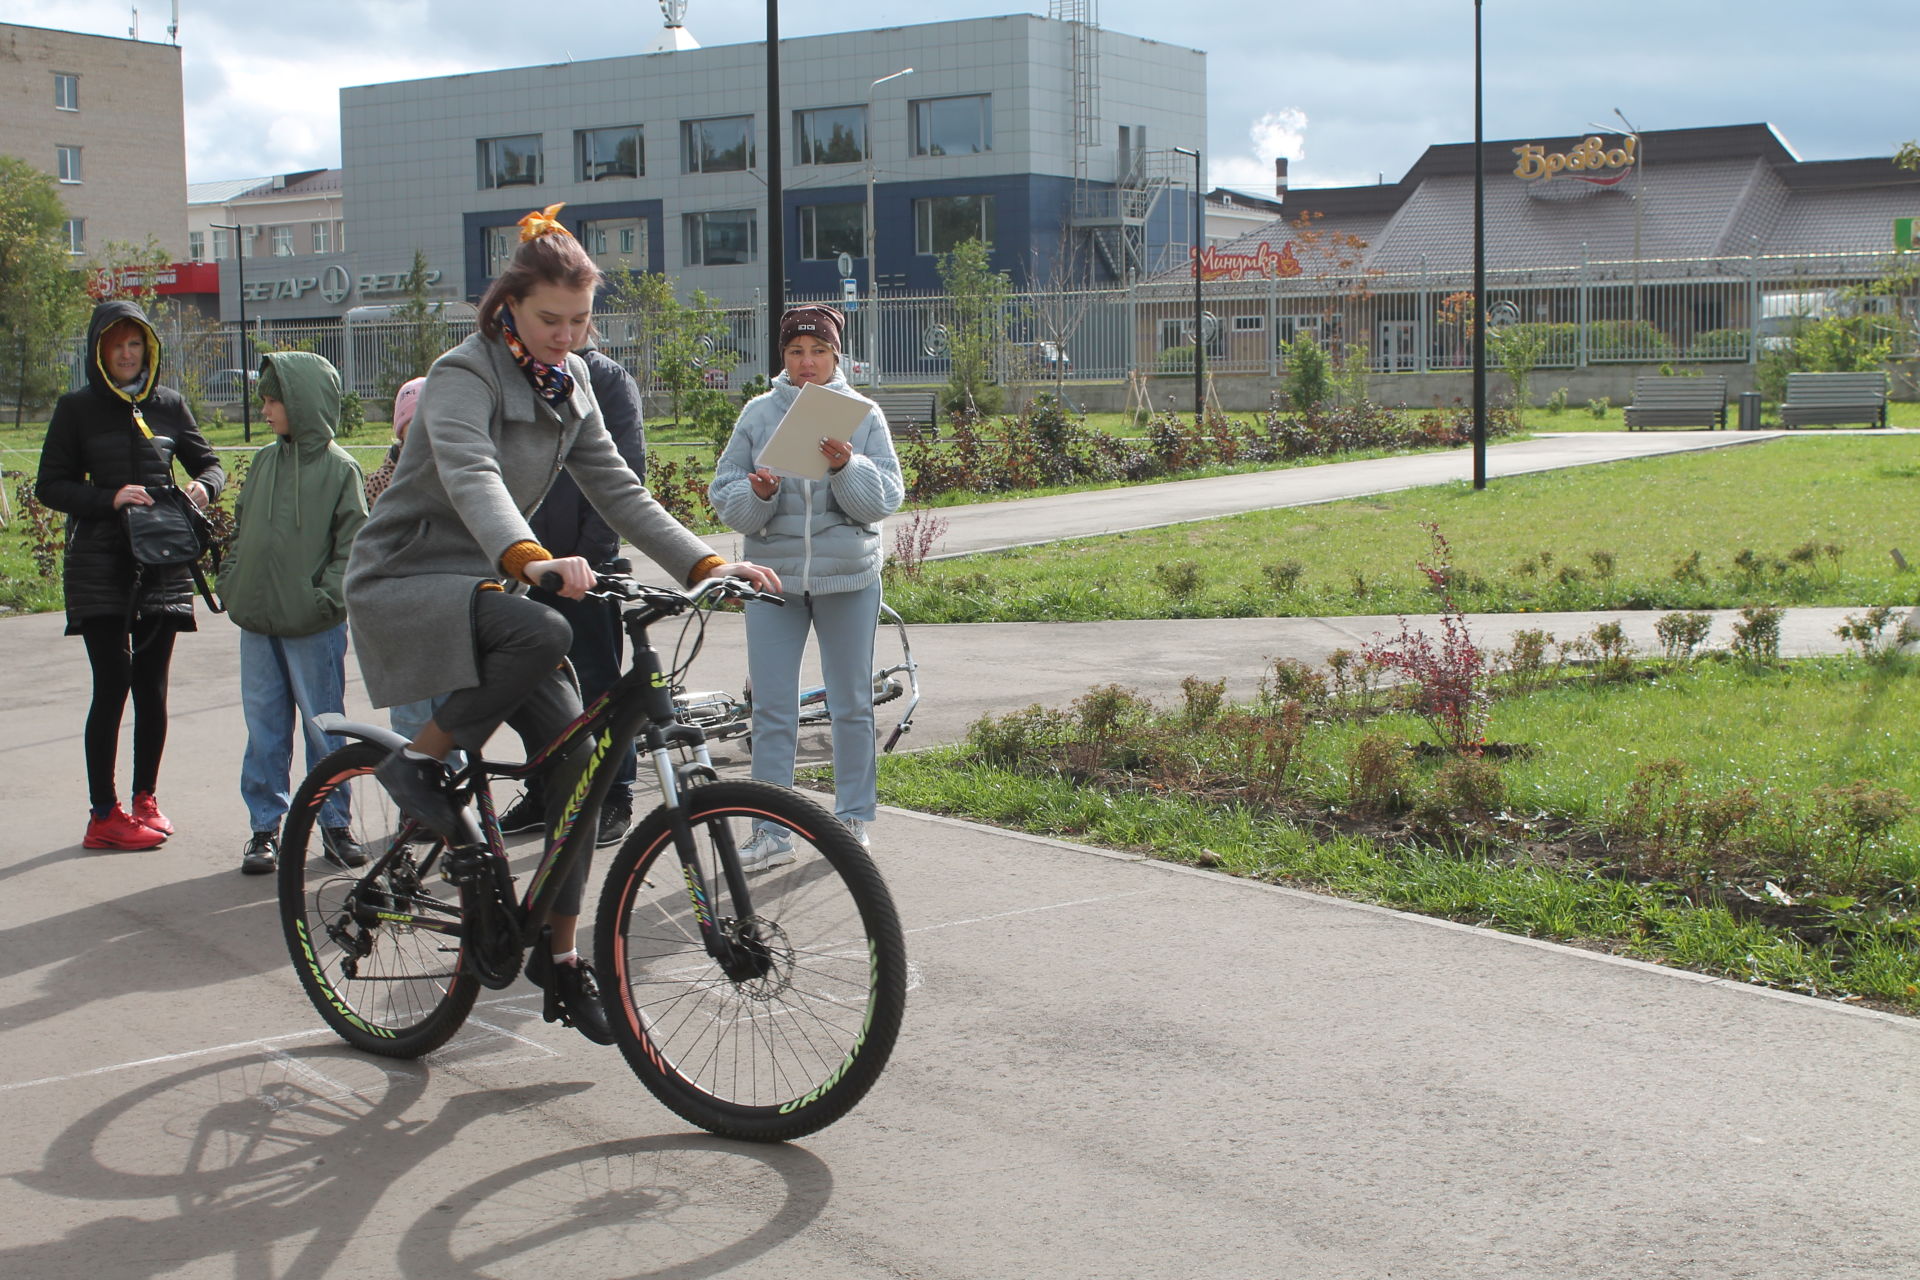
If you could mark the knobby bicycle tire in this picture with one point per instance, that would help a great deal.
(389, 989)
(789, 1051)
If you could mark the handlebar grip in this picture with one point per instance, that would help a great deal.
(551, 581)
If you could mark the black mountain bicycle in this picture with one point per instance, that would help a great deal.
(761, 1009)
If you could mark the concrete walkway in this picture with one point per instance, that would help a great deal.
(1111, 1067)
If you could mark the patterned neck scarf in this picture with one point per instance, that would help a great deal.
(551, 383)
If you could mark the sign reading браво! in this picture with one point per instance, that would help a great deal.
(1591, 161)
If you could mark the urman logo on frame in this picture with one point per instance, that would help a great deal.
(1590, 161)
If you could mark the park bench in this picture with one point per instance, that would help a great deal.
(919, 410)
(1833, 399)
(1678, 402)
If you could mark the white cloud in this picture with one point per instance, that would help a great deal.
(1275, 134)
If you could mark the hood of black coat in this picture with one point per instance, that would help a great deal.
(105, 316)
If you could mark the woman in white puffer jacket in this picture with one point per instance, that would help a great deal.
(823, 538)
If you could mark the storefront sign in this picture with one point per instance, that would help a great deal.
(1904, 234)
(177, 277)
(1592, 161)
(1265, 262)
(335, 285)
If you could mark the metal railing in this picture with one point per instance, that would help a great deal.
(1598, 313)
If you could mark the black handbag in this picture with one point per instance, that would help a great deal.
(171, 531)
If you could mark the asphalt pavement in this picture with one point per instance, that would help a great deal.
(1111, 1067)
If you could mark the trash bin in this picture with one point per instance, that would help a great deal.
(1749, 410)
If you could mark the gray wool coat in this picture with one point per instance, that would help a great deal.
(483, 450)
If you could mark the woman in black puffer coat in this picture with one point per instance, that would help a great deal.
(98, 458)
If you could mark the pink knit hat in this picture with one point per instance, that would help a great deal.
(405, 401)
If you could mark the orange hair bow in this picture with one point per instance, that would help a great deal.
(543, 222)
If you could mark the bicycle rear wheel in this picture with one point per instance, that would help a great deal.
(386, 988)
(791, 1048)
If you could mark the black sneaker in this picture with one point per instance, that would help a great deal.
(528, 813)
(337, 845)
(615, 818)
(573, 994)
(261, 855)
(420, 788)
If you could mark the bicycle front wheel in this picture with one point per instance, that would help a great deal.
(388, 988)
(791, 1044)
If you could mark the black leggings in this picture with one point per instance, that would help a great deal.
(122, 664)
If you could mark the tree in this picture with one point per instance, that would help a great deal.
(981, 297)
(1059, 305)
(41, 300)
(676, 340)
(1908, 156)
(424, 335)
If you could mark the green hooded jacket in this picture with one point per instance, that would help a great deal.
(298, 512)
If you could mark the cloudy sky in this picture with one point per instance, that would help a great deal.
(1348, 92)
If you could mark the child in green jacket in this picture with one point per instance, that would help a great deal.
(302, 504)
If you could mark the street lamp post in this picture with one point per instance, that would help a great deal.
(246, 355)
(873, 297)
(1479, 267)
(1199, 334)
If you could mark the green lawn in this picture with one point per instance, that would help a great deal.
(1697, 817)
(1815, 517)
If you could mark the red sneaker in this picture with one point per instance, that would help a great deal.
(146, 812)
(119, 831)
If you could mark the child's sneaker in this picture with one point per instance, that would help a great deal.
(118, 830)
(766, 849)
(146, 812)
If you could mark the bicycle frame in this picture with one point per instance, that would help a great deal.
(638, 706)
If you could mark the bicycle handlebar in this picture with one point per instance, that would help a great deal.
(620, 585)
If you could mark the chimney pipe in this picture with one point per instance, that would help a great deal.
(1280, 179)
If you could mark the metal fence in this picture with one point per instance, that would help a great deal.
(1598, 313)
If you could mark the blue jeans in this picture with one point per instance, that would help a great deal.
(776, 638)
(284, 679)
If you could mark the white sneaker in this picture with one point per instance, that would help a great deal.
(857, 828)
(766, 849)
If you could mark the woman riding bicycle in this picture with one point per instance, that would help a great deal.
(500, 415)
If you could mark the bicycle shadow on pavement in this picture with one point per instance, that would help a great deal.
(273, 1159)
(274, 1162)
(687, 1207)
(178, 935)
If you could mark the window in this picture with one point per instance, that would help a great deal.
(943, 222)
(510, 162)
(282, 238)
(952, 126)
(322, 233)
(75, 231)
(615, 242)
(599, 154)
(196, 246)
(724, 239)
(339, 235)
(1287, 328)
(67, 162)
(831, 135)
(721, 145)
(221, 249)
(1249, 324)
(66, 91)
(829, 230)
(500, 242)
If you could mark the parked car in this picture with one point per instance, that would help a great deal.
(225, 386)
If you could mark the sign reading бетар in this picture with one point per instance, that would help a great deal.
(1591, 161)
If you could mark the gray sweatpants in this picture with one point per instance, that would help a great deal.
(525, 682)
